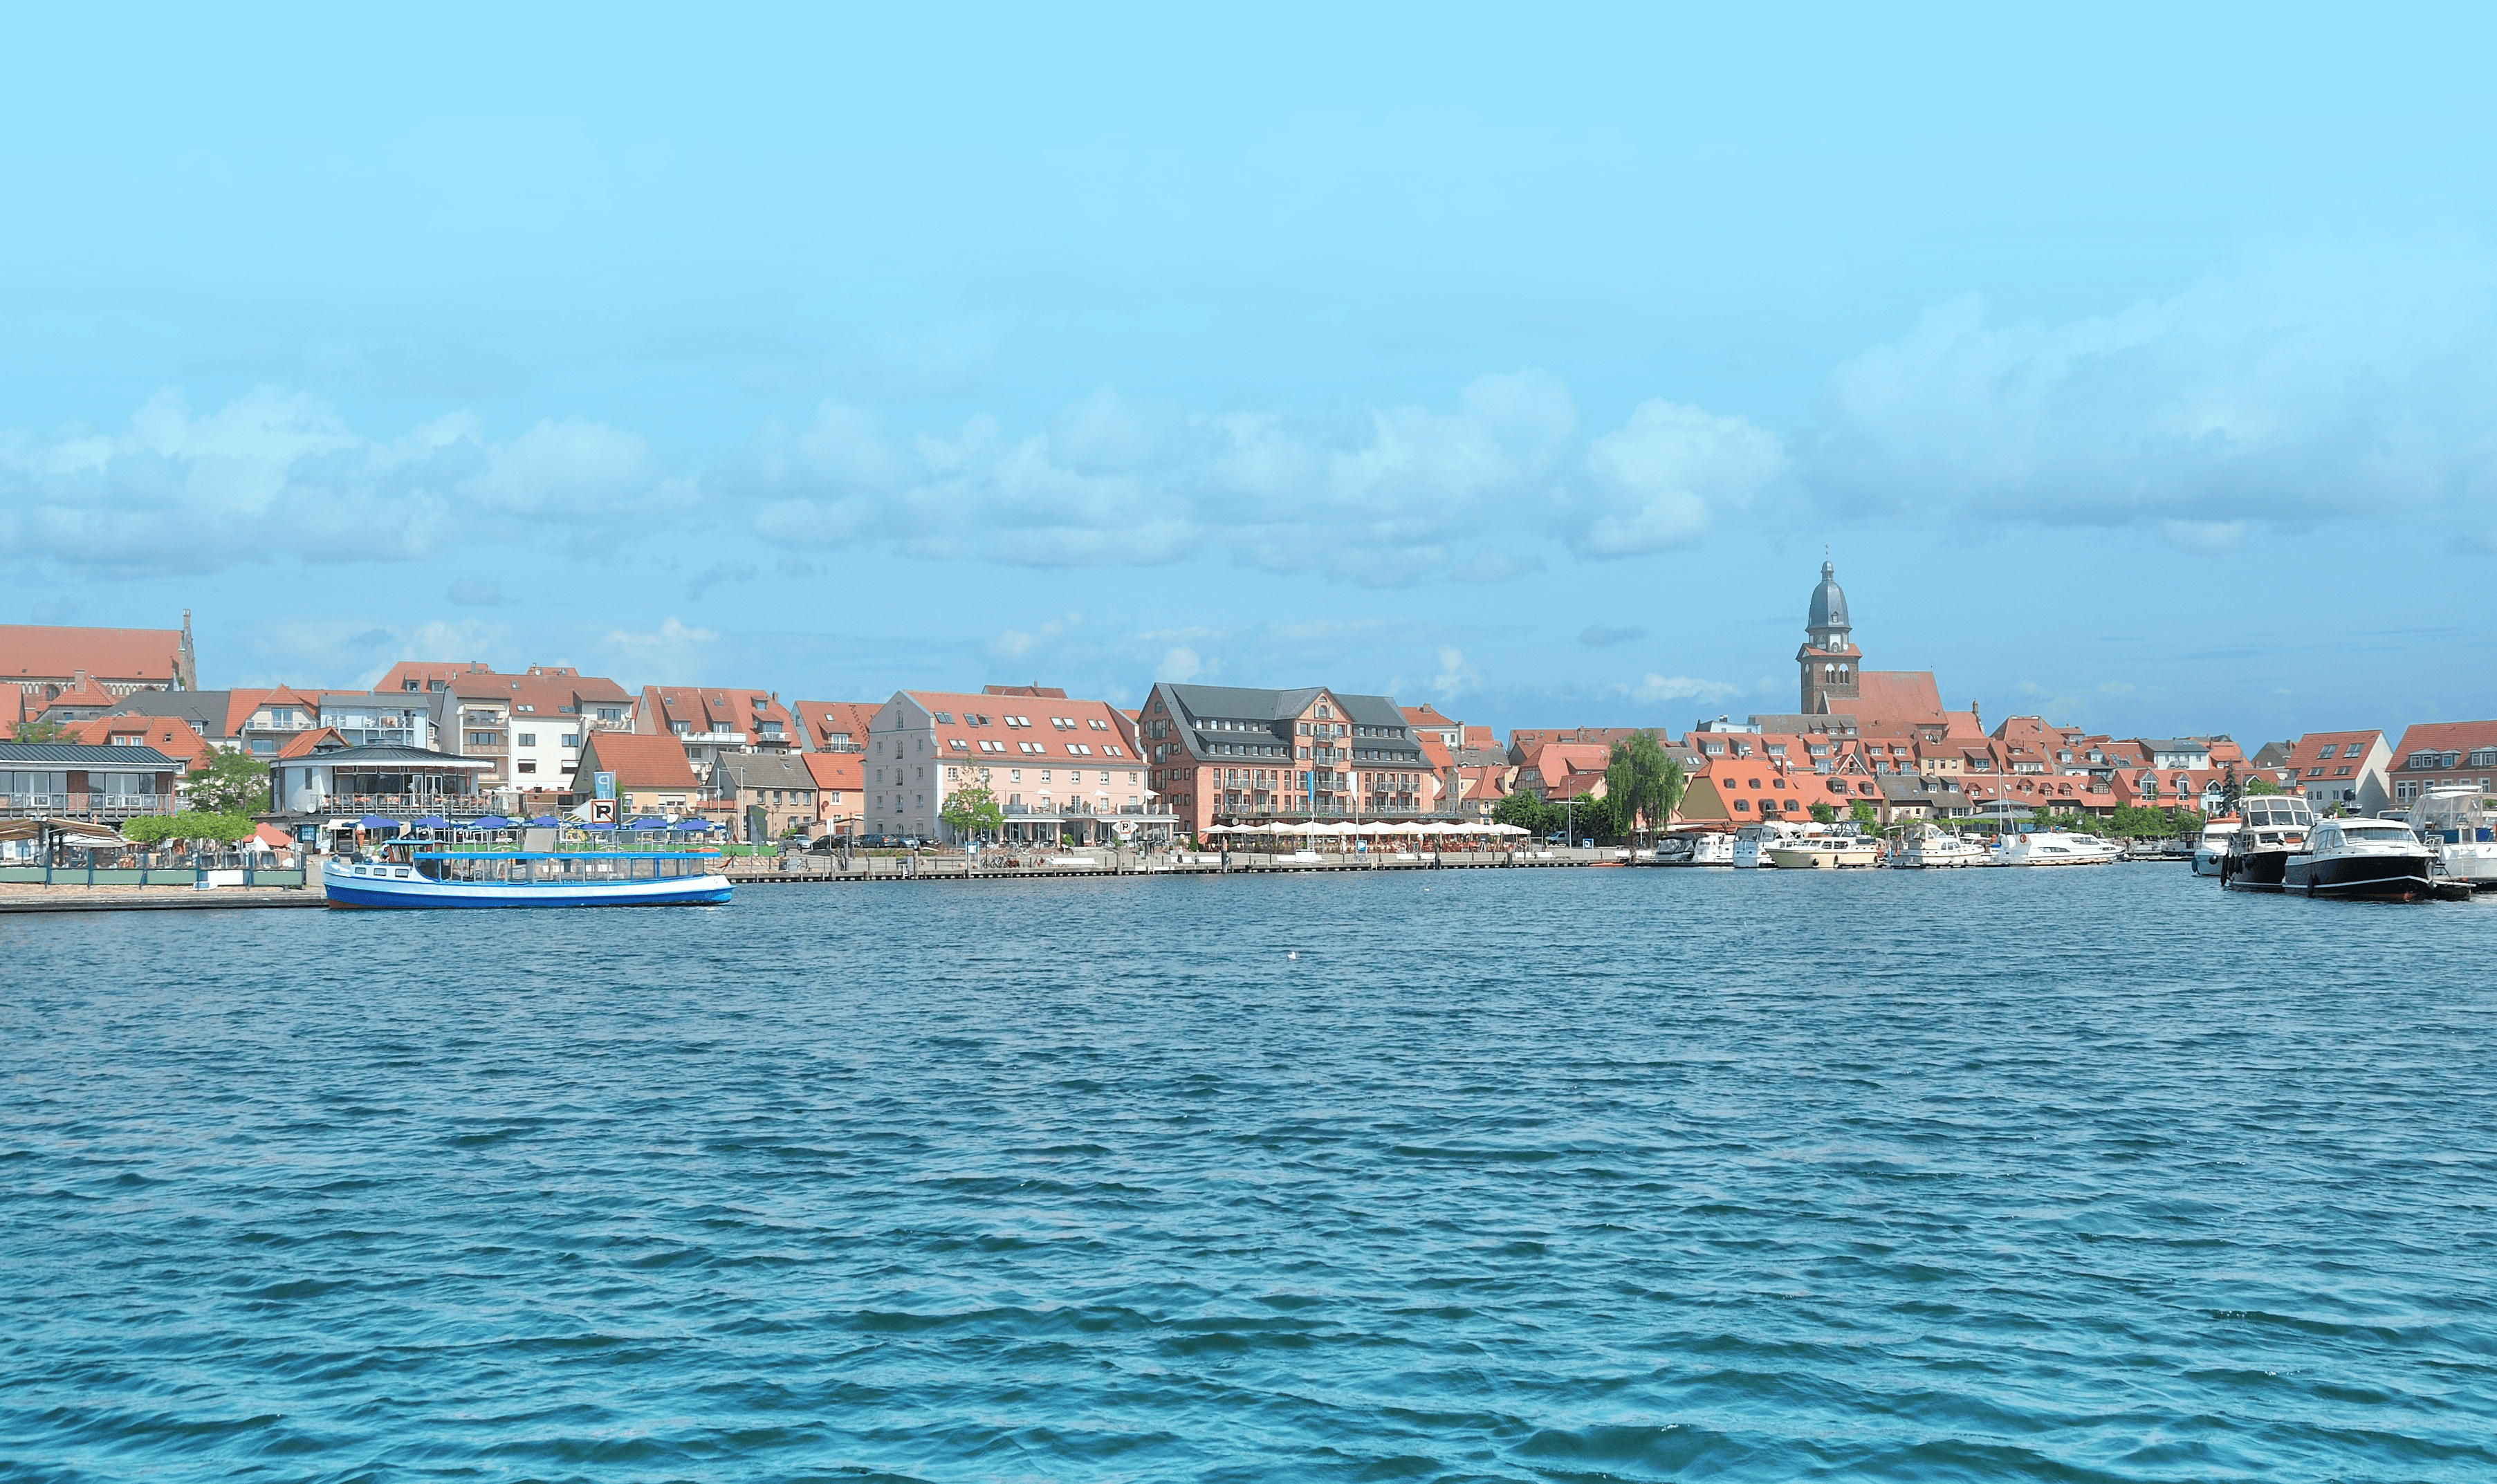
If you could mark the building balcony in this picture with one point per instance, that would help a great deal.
(85, 806)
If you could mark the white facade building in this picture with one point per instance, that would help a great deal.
(1056, 766)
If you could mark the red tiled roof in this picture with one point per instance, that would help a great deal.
(241, 704)
(638, 759)
(1890, 700)
(837, 769)
(42, 652)
(820, 721)
(83, 691)
(168, 735)
(719, 709)
(426, 671)
(1717, 787)
(2308, 750)
(2463, 737)
(1050, 739)
(302, 744)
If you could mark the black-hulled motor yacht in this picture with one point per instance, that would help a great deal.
(2363, 859)
(2272, 828)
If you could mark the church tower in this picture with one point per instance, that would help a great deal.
(1829, 657)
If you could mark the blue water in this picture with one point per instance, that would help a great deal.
(1565, 1174)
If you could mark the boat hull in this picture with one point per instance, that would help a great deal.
(1808, 858)
(395, 891)
(2257, 872)
(2359, 877)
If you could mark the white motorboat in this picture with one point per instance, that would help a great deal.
(2056, 847)
(1832, 851)
(1697, 847)
(1933, 846)
(2213, 847)
(2363, 859)
(2457, 822)
(1753, 842)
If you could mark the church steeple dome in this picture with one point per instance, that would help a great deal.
(1828, 656)
(1828, 613)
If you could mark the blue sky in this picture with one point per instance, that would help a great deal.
(2135, 367)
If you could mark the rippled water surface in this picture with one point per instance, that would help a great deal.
(1572, 1174)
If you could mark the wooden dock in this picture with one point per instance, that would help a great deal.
(154, 899)
(812, 869)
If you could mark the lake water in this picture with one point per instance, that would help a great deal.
(2095, 1174)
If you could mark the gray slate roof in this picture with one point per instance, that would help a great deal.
(89, 759)
(207, 708)
(1274, 712)
(763, 769)
(383, 753)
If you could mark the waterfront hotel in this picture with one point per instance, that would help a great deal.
(1224, 754)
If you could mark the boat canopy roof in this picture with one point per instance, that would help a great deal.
(561, 854)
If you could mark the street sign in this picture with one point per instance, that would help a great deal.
(604, 787)
(602, 812)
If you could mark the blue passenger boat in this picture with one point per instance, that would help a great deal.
(425, 875)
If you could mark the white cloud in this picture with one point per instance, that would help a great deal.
(672, 634)
(1015, 644)
(2208, 537)
(1660, 480)
(1679, 687)
(1384, 496)
(2325, 373)
(1456, 676)
(1179, 666)
(274, 473)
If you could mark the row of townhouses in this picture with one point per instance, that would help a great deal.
(438, 737)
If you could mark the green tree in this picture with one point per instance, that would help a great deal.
(1642, 782)
(1866, 816)
(41, 732)
(972, 811)
(234, 782)
(1824, 814)
(1524, 811)
(1587, 816)
(2259, 785)
(155, 828)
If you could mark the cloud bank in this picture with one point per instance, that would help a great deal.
(2334, 374)
(2328, 375)
(279, 474)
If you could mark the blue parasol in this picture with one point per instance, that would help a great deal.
(598, 824)
(433, 822)
(692, 826)
(377, 822)
(648, 823)
(543, 822)
(490, 822)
